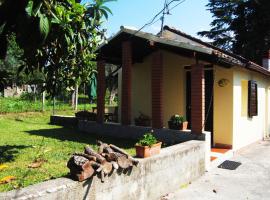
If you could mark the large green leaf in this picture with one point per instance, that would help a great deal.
(44, 26)
(29, 8)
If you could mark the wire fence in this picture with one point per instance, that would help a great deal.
(35, 102)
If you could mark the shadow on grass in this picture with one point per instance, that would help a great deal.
(69, 134)
(9, 152)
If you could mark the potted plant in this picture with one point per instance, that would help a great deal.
(142, 120)
(177, 122)
(147, 146)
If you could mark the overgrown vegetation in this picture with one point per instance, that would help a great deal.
(33, 151)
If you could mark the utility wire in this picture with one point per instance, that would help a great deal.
(152, 21)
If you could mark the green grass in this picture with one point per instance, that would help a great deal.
(28, 136)
(18, 105)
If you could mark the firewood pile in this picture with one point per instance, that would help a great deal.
(108, 159)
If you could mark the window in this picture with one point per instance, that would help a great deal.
(252, 98)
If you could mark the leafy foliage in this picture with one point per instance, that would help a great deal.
(148, 139)
(241, 26)
(177, 120)
(59, 38)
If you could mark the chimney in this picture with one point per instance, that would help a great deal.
(266, 60)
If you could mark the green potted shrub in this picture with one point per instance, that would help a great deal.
(147, 146)
(177, 122)
(142, 120)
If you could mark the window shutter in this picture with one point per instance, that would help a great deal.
(252, 98)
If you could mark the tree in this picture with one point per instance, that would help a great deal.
(241, 26)
(64, 42)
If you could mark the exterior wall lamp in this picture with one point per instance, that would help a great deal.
(223, 82)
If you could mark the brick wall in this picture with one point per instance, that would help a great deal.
(126, 83)
(157, 90)
(100, 91)
(197, 98)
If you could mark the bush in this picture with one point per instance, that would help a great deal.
(148, 139)
(142, 120)
(176, 122)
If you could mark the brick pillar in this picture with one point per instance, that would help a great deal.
(197, 98)
(157, 90)
(100, 91)
(126, 83)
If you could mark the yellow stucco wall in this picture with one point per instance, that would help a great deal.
(173, 88)
(231, 124)
(174, 85)
(141, 89)
(223, 107)
(248, 130)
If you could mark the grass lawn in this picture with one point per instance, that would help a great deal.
(26, 137)
(18, 105)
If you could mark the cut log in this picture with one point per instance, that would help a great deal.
(115, 165)
(102, 176)
(117, 149)
(80, 168)
(95, 165)
(76, 162)
(86, 156)
(91, 152)
(123, 161)
(106, 167)
(104, 147)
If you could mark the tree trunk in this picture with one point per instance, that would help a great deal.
(43, 100)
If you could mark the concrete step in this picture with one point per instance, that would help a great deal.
(218, 158)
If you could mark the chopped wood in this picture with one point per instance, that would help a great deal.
(102, 176)
(124, 162)
(80, 168)
(95, 165)
(86, 156)
(115, 165)
(109, 157)
(117, 149)
(107, 167)
(91, 152)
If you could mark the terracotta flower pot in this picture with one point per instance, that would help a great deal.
(183, 126)
(147, 151)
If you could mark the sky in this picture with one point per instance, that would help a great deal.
(189, 17)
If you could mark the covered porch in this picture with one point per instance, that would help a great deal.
(153, 79)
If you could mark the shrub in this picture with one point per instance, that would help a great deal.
(148, 139)
(142, 120)
(177, 119)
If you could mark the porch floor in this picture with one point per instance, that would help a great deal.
(219, 155)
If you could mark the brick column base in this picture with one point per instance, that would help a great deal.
(157, 90)
(100, 91)
(197, 98)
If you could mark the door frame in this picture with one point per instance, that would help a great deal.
(209, 98)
